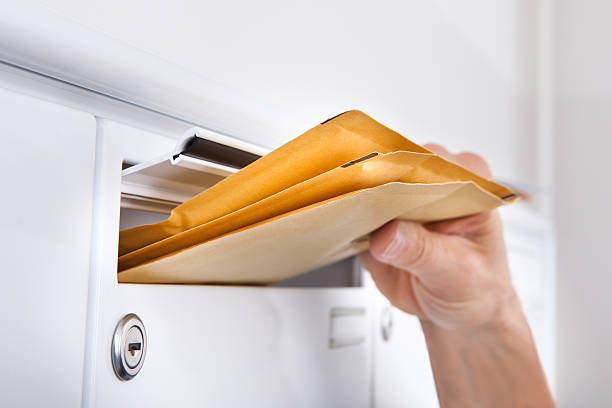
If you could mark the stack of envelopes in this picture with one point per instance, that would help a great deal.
(311, 202)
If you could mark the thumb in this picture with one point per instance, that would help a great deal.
(429, 255)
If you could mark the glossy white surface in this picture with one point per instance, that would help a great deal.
(227, 347)
(402, 375)
(46, 162)
(530, 244)
(460, 73)
(89, 59)
(55, 91)
(583, 122)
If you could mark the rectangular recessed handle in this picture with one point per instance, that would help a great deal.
(347, 326)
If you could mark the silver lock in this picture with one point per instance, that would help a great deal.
(386, 322)
(129, 347)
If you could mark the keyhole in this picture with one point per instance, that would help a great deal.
(133, 348)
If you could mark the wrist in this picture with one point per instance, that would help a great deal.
(493, 364)
(506, 320)
(508, 324)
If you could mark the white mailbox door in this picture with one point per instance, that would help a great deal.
(46, 167)
(402, 374)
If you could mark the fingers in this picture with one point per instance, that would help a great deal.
(474, 163)
(438, 149)
(470, 161)
(483, 229)
(442, 263)
(465, 226)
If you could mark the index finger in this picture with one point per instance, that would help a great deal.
(470, 161)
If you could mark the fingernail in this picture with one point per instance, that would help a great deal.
(394, 248)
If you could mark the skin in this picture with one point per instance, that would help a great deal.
(454, 276)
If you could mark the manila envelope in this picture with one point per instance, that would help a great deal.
(306, 204)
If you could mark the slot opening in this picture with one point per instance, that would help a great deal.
(148, 196)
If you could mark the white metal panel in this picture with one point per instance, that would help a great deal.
(456, 72)
(58, 92)
(79, 55)
(418, 64)
(530, 245)
(402, 375)
(582, 124)
(236, 347)
(46, 229)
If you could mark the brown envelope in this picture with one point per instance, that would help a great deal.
(331, 144)
(302, 206)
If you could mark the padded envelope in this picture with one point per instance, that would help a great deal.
(314, 218)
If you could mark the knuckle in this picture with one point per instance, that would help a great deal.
(474, 162)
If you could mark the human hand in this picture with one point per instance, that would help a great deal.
(453, 273)
(454, 276)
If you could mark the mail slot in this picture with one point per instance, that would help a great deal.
(344, 273)
(151, 189)
(307, 339)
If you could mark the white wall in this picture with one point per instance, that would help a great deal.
(460, 73)
(583, 129)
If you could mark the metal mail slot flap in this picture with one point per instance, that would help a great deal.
(200, 160)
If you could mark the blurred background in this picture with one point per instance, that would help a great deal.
(524, 83)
